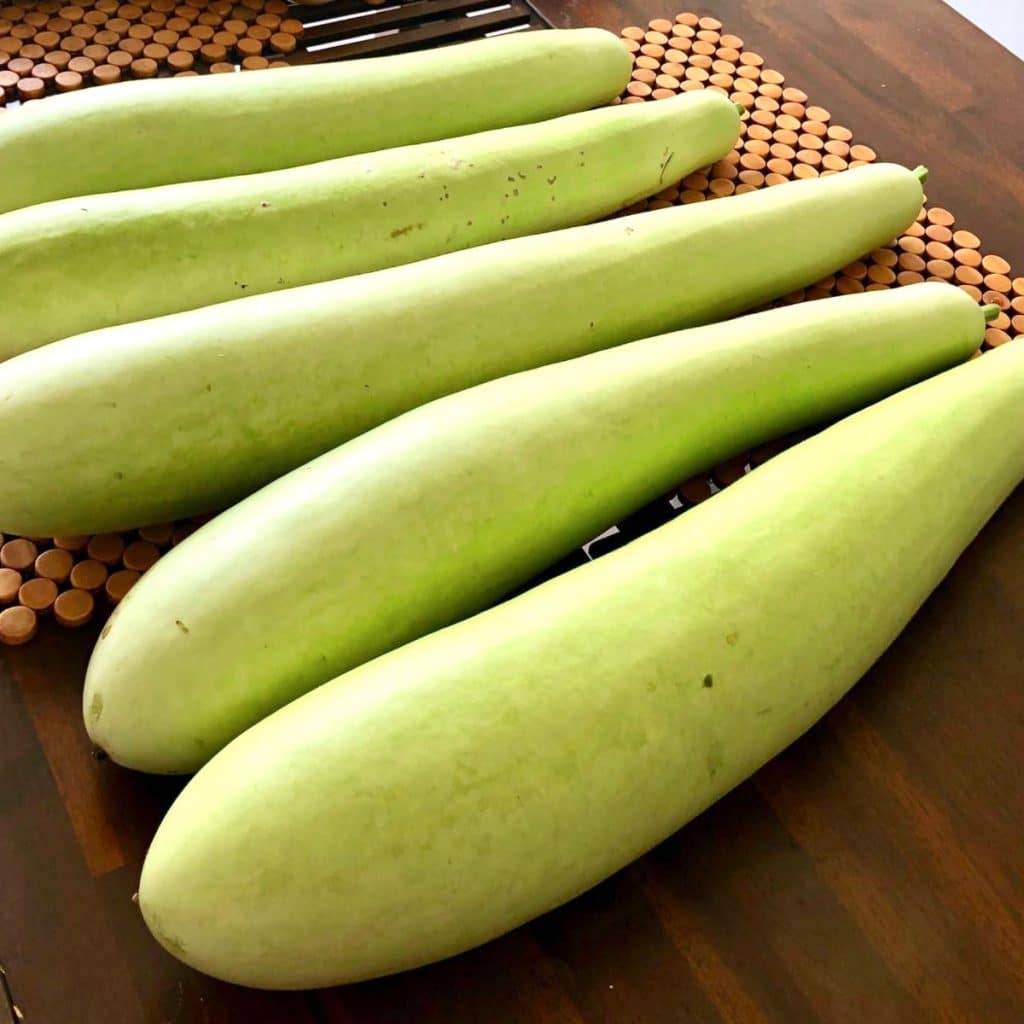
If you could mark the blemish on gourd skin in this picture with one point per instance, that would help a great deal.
(176, 946)
(95, 707)
(731, 638)
(181, 625)
(709, 681)
(715, 758)
(664, 165)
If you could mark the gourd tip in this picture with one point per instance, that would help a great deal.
(991, 311)
(921, 173)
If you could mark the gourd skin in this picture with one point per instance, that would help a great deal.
(441, 512)
(188, 245)
(192, 412)
(140, 134)
(463, 784)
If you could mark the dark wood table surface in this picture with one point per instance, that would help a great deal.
(873, 872)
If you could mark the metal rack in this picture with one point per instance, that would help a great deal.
(346, 29)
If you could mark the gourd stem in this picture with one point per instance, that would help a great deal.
(991, 311)
(921, 172)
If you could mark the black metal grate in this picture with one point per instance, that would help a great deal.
(346, 29)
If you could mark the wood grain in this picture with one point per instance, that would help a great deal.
(871, 872)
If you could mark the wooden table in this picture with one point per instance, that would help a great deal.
(871, 873)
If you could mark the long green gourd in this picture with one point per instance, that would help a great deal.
(75, 265)
(439, 513)
(195, 411)
(461, 785)
(140, 134)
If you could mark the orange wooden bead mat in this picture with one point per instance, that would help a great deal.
(49, 47)
(785, 135)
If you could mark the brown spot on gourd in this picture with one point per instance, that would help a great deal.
(96, 707)
(181, 625)
(715, 758)
(731, 638)
(398, 232)
(709, 681)
(664, 166)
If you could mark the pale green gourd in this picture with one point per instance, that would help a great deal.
(139, 134)
(79, 264)
(470, 781)
(435, 515)
(192, 412)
